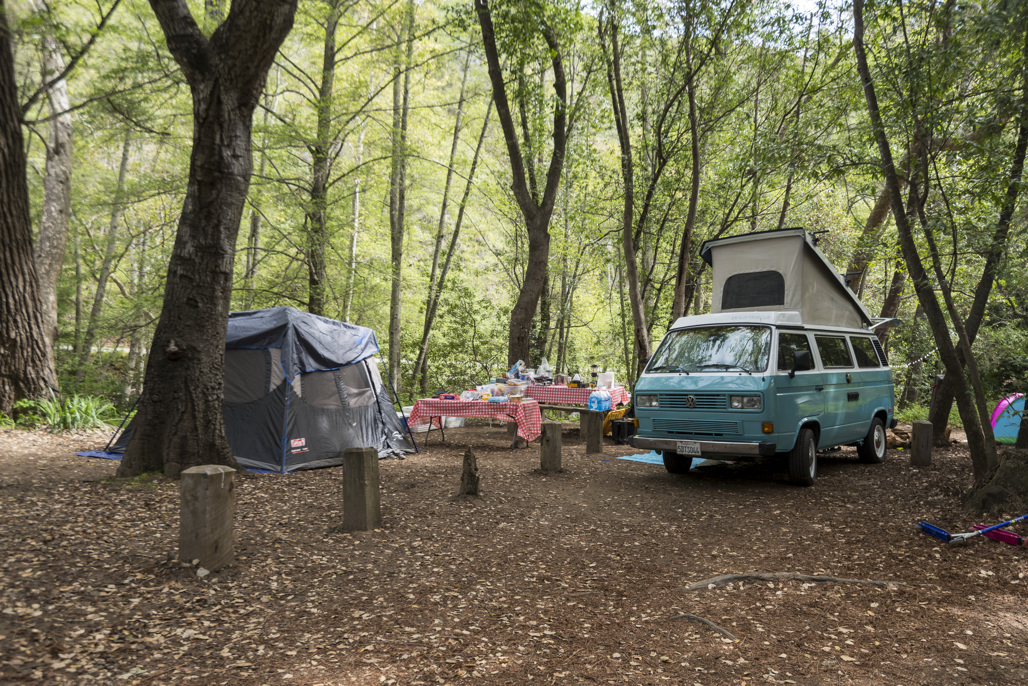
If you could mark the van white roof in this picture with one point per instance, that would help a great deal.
(782, 270)
(779, 318)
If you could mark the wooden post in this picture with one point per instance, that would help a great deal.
(550, 447)
(921, 445)
(591, 425)
(207, 505)
(469, 474)
(362, 509)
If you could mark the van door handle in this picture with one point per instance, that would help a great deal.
(819, 388)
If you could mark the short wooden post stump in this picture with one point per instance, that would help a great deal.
(550, 447)
(207, 506)
(591, 425)
(921, 445)
(362, 509)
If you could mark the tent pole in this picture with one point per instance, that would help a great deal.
(123, 420)
(396, 399)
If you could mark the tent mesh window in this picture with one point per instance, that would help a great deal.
(753, 289)
(355, 385)
(246, 375)
(320, 390)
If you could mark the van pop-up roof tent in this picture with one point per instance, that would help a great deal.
(299, 390)
(781, 270)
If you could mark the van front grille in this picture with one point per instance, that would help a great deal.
(678, 427)
(701, 401)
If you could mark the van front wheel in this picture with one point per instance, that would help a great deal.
(872, 450)
(803, 459)
(675, 463)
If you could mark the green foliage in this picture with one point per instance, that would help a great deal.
(6, 422)
(65, 414)
(919, 413)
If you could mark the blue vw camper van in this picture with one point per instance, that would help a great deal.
(787, 364)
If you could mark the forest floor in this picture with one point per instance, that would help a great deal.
(581, 577)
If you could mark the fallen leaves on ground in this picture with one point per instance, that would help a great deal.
(575, 577)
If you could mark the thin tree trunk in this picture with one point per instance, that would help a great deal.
(53, 225)
(253, 239)
(993, 257)
(110, 249)
(983, 452)
(435, 294)
(398, 189)
(630, 234)
(321, 150)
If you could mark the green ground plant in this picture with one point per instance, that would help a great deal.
(65, 414)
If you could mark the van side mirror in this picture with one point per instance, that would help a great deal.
(800, 362)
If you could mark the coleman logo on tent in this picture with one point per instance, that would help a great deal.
(298, 443)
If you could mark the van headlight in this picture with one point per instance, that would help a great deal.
(646, 401)
(744, 402)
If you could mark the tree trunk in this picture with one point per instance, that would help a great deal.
(436, 294)
(321, 150)
(993, 257)
(641, 344)
(983, 452)
(398, 189)
(179, 422)
(53, 225)
(26, 361)
(253, 239)
(110, 248)
(536, 214)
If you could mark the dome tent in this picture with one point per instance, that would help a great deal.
(299, 390)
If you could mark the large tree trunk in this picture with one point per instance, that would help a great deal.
(537, 213)
(179, 423)
(53, 224)
(26, 361)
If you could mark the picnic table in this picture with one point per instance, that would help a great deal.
(561, 397)
(525, 413)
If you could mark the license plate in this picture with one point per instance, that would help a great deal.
(688, 448)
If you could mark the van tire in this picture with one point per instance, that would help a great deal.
(872, 450)
(803, 459)
(675, 463)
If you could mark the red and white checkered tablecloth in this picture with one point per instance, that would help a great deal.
(562, 395)
(525, 413)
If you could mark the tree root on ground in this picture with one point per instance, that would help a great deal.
(712, 625)
(773, 576)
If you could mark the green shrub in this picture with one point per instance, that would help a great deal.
(65, 414)
(6, 422)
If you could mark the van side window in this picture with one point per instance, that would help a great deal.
(789, 343)
(834, 352)
(864, 351)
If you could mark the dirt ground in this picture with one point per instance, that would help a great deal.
(580, 577)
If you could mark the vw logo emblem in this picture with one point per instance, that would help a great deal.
(690, 402)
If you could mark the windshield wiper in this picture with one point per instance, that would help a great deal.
(726, 367)
(669, 368)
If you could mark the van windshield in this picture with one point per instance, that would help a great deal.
(712, 349)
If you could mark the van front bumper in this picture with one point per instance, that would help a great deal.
(749, 449)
